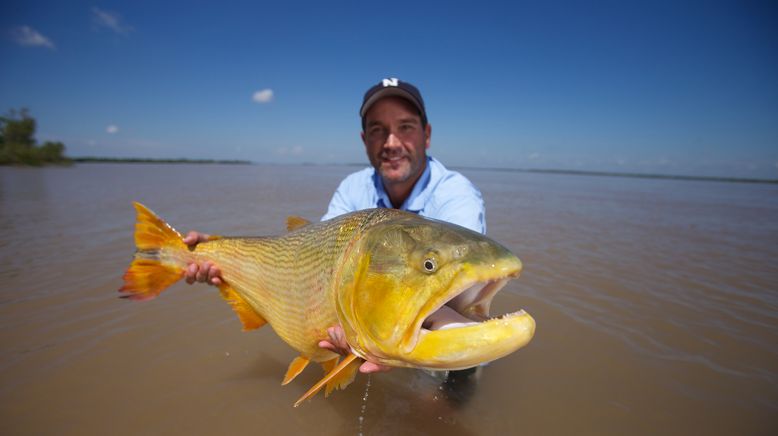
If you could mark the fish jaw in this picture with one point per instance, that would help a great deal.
(470, 345)
(474, 338)
(389, 300)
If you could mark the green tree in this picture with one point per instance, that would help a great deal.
(17, 142)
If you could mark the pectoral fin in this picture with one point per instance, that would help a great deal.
(248, 316)
(343, 378)
(329, 365)
(340, 377)
(296, 367)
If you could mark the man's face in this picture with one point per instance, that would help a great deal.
(395, 140)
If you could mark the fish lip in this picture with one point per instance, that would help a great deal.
(470, 345)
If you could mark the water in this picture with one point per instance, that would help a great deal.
(656, 303)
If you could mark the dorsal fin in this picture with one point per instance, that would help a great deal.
(294, 222)
(248, 316)
(295, 368)
(341, 376)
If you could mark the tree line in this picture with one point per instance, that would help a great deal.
(18, 145)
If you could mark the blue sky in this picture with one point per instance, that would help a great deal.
(657, 87)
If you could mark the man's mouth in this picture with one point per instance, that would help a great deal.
(393, 159)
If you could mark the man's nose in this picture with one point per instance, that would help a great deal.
(392, 141)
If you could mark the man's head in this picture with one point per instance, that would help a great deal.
(396, 87)
(395, 132)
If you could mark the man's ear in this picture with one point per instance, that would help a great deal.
(427, 133)
(362, 135)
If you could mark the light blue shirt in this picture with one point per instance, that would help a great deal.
(440, 194)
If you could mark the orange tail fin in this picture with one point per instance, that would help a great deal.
(151, 272)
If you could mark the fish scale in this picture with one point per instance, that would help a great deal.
(274, 274)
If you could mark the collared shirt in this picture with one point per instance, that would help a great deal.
(439, 193)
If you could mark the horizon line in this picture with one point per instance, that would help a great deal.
(93, 159)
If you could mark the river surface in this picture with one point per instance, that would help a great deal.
(656, 304)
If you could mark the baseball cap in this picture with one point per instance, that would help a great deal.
(393, 87)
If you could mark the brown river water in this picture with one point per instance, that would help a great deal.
(656, 304)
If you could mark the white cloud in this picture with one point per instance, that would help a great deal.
(110, 20)
(25, 35)
(112, 128)
(533, 156)
(263, 96)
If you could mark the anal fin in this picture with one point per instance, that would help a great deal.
(295, 368)
(248, 316)
(341, 376)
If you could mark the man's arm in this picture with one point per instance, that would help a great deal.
(465, 212)
(339, 204)
(459, 202)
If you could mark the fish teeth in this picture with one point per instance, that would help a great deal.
(454, 325)
(507, 315)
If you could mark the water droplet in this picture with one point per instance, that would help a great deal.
(361, 418)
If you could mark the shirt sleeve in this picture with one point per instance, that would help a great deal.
(339, 204)
(462, 205)
(465, 212)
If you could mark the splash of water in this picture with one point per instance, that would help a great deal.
(361, 418)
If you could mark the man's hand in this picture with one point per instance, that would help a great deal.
(338, 344)
(206, 272)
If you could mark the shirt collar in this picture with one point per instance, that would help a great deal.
(417, 198)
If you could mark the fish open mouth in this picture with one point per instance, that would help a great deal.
(458, 332)
(468, 307)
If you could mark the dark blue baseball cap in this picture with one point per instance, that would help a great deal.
(393, 87)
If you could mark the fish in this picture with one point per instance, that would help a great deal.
(408, 291)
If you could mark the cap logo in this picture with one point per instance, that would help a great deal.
(390, 82)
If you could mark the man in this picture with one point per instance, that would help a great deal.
(396, 134)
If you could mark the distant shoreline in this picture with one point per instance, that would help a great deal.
(160, 161)
(467, 168)
(628, 175)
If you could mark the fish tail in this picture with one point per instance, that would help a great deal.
(153, 269)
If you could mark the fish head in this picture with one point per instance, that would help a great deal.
(419, 295)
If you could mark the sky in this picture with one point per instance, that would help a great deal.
(677, 87)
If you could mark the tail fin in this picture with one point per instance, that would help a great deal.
(149, 274)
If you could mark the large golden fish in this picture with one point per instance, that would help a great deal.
(408, 291)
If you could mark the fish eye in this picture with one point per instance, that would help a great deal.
(430, 265)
